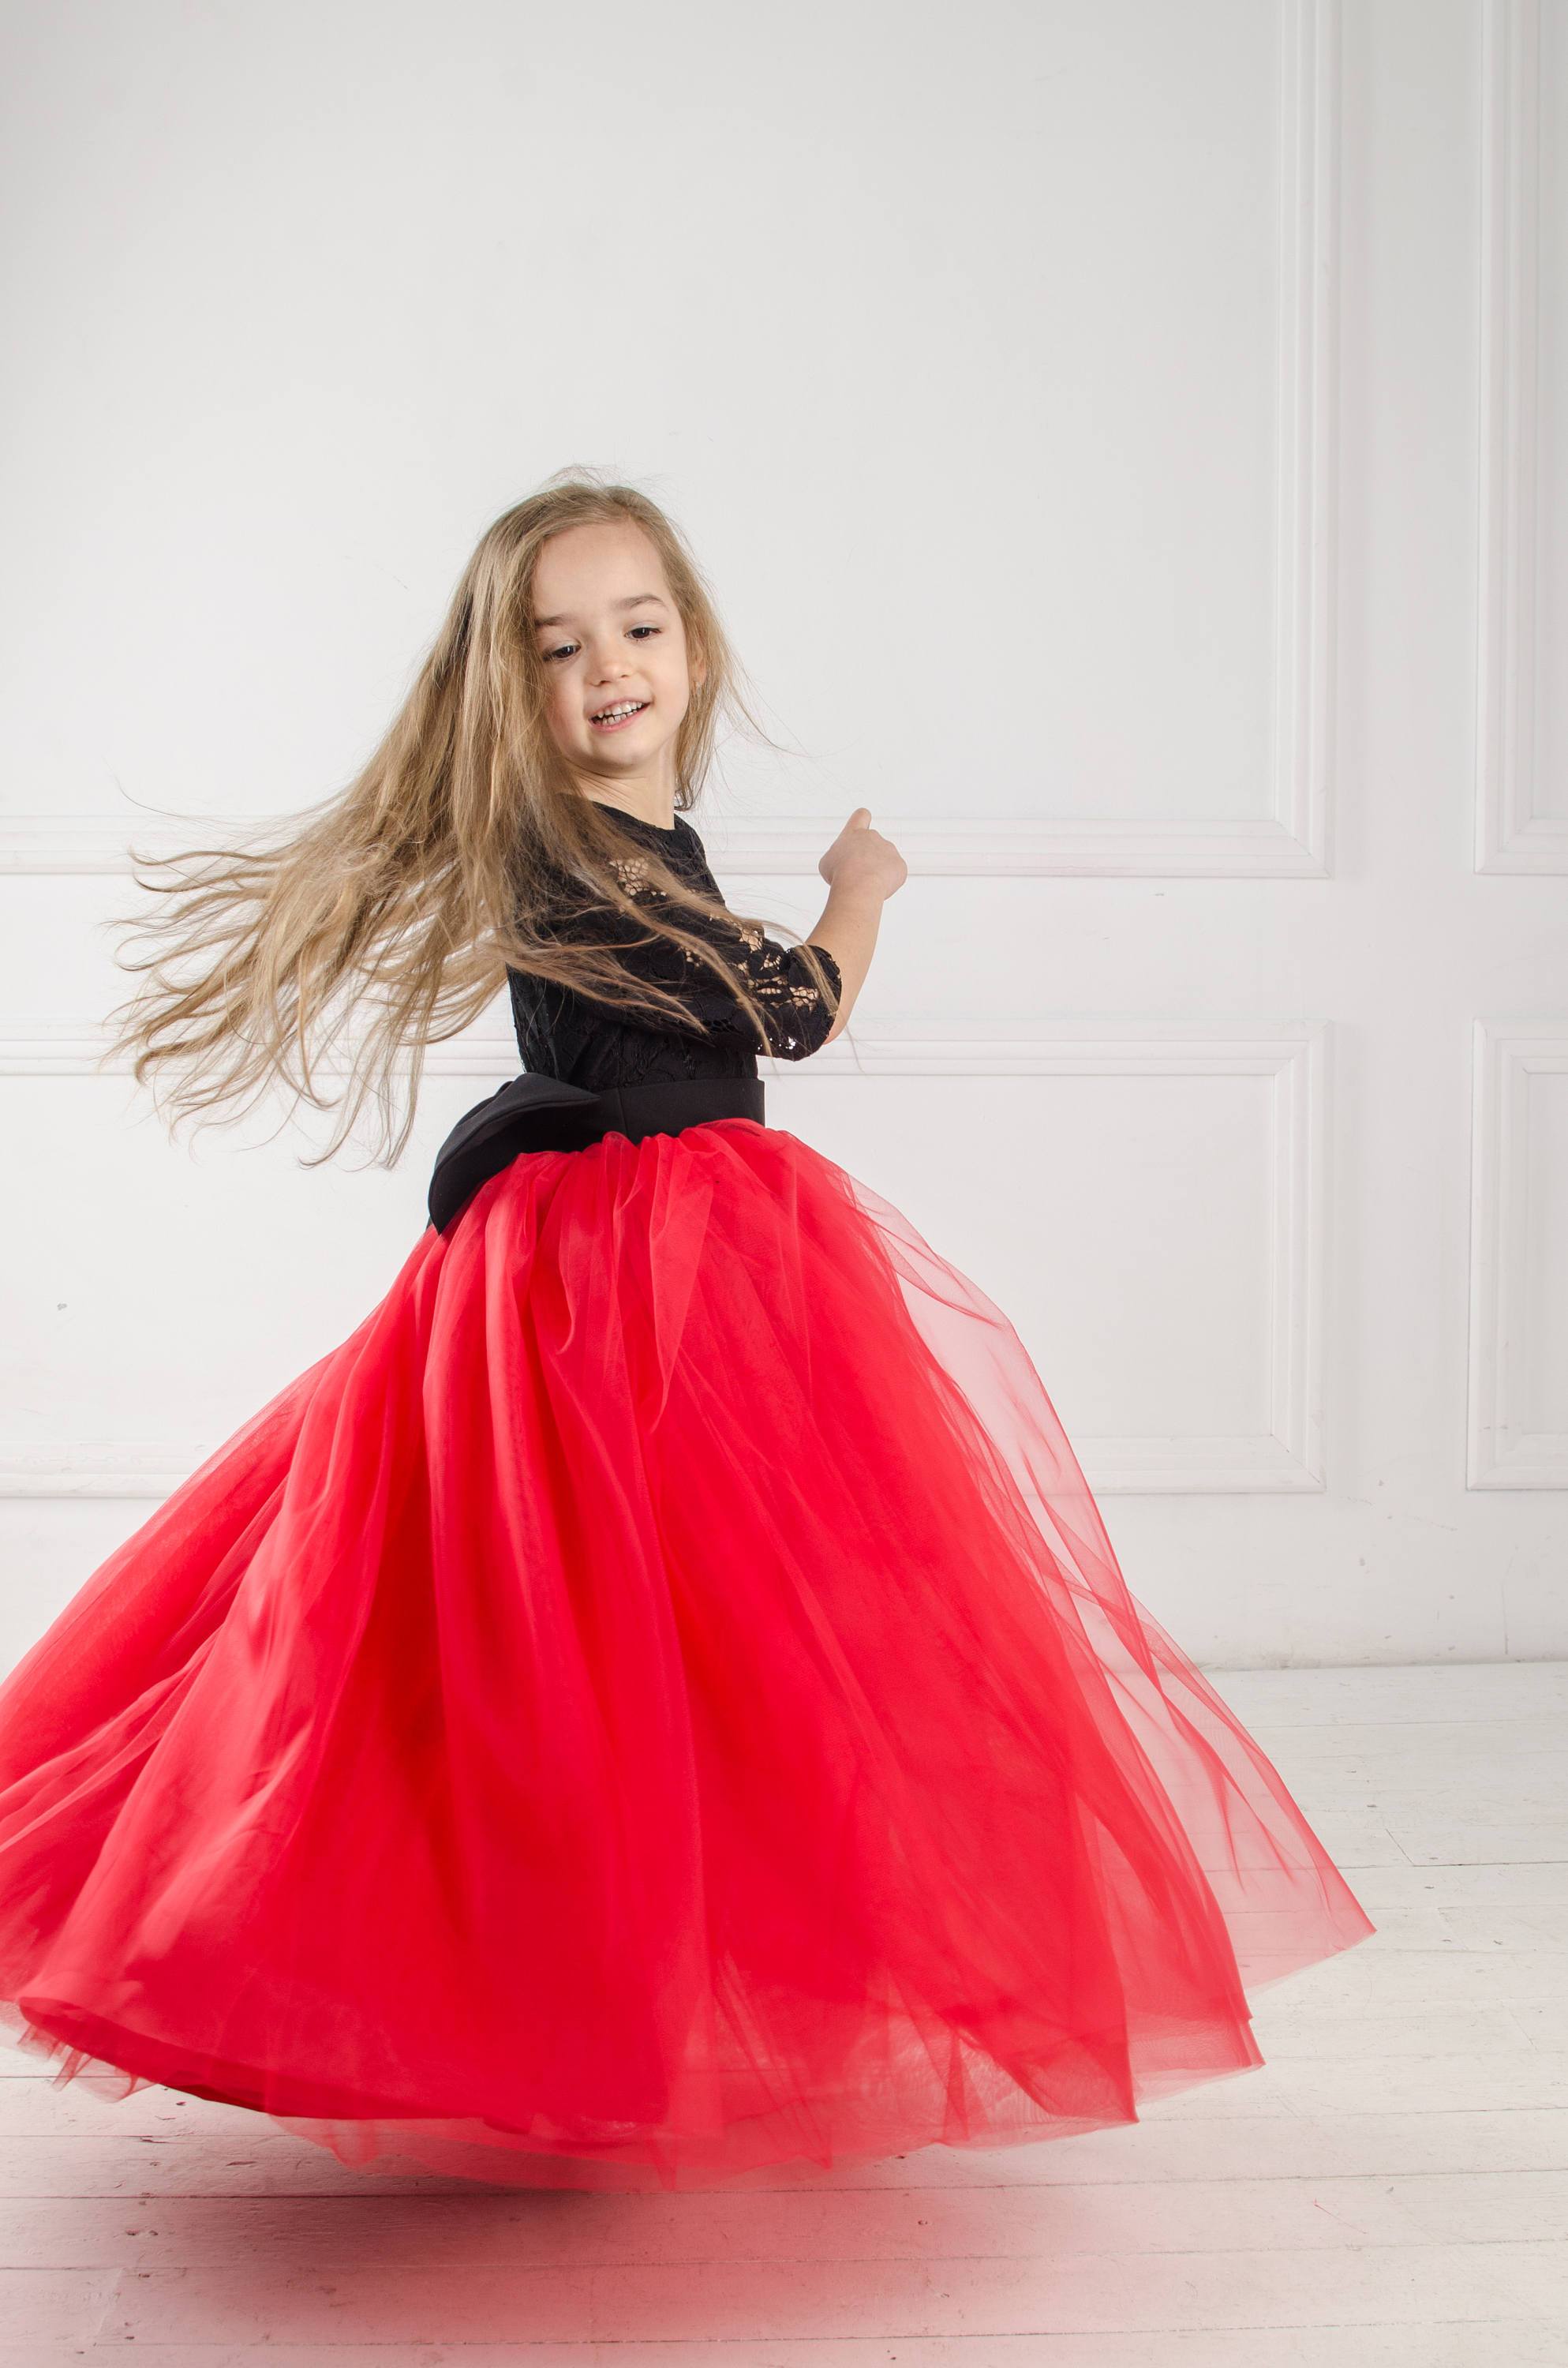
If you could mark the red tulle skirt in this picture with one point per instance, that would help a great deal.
(657, 1702)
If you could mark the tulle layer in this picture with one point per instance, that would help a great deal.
(658, 1702)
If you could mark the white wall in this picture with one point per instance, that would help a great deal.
(1129, 443)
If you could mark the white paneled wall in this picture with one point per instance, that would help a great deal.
(1129, 447)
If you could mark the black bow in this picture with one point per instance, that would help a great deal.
(532, 1112)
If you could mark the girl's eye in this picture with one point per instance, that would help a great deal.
(567, 647)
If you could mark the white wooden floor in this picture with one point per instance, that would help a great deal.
(1391, 2188)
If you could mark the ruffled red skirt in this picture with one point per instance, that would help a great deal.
(658, 1702)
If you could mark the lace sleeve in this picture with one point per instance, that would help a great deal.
(796, 1015)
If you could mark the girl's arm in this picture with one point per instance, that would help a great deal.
(862, 870)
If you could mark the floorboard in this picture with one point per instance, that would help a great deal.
(1389, 2190)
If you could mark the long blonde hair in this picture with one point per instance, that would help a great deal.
(387, 915)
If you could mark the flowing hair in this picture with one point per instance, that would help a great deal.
(385, 919)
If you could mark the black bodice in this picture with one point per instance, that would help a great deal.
(566, 1035)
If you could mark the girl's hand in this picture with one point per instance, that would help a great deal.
(861, 858)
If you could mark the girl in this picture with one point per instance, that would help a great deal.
(658, 1702)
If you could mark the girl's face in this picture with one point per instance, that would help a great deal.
(611, 640)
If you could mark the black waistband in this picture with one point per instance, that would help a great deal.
(538, 1113)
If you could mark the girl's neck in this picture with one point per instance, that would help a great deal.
(639, 806)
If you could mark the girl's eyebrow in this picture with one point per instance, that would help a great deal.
(635, 601)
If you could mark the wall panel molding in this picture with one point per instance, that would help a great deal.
(1290, 839)
(1504, 1453)
(42, 846)
(1286, 1457)
(1510, 835)
(1307, 434)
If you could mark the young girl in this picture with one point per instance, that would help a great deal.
(658, 1701)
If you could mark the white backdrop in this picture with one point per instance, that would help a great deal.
(1128, 444)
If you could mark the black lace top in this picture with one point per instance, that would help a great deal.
(565, 1035)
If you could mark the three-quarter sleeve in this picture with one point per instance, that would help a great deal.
(796, 1015)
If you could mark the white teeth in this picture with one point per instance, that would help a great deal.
(626, 707)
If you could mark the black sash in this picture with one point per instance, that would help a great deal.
(534, 1112)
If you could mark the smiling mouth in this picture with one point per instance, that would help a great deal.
(621, 713)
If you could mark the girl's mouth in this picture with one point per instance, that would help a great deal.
(617, 718)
